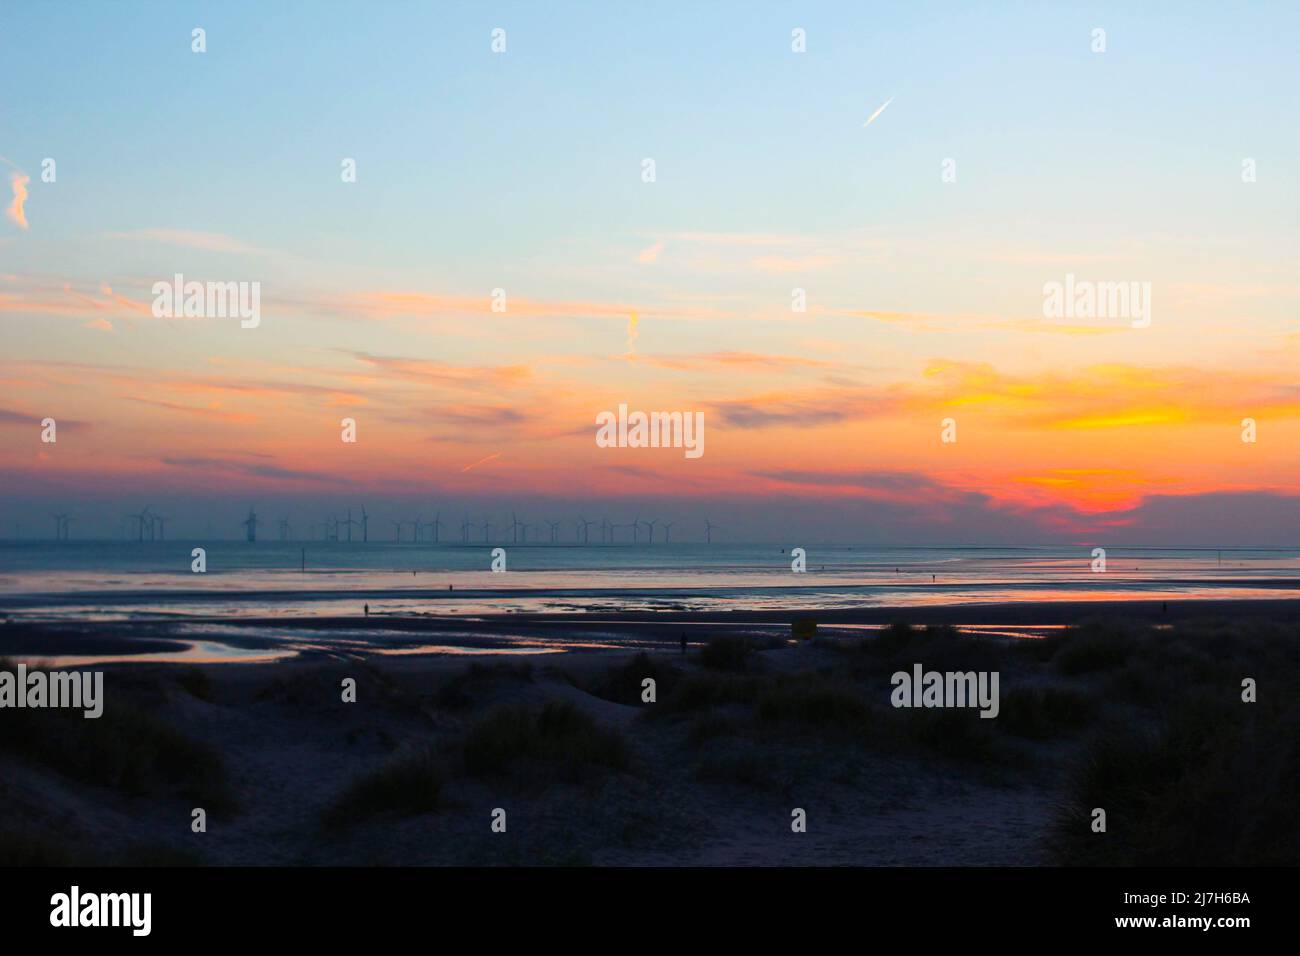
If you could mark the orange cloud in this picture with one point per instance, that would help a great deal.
(737, 361)
(18, 181)
(650, 253)
(211, 241)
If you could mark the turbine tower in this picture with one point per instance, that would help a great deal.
(139, 518)
(249, 523)
(708, 531)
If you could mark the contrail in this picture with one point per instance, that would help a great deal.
(495, 454)
(872, 118)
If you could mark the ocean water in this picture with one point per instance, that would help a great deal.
(116, 579)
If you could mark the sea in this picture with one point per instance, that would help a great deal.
(114, 580)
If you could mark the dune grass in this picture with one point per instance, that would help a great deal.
(1203, 789)
(128, 749)
(27, 849)
(622, 682)
(407, 785)
(1094, 647)
(697, 692)
(1044, 713)
(938, 647)
(729, 653)
(1199, 777)
(459, 692)
(815, 701)
(556, 742)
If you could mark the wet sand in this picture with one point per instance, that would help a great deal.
(556, 631)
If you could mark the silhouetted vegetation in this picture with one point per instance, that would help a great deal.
(728, 653)
(460, 692)
(407, 785)
(127, 748)
(622, 683)
(558, 741)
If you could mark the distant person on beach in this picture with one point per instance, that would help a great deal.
(367, 609)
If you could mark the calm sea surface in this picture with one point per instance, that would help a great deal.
(113, 579)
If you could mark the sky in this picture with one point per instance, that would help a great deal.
(920, 172)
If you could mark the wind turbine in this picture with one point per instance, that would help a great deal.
(250, 523)
(60, 526)
(464, 531)
(668, 526)
(162, 526)
(555, 530)
(514, 528)
(584, 527)
(415, 528)
(606, 530)
(708, 531)
(651, 526)
(140, 518)
(397, 530)
(365, 525)
(434, 525)
(284, 529)
(487, 530)
(350, 523)
(636, 523)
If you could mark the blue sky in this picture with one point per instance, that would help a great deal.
(522, 171)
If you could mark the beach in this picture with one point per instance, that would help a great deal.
(252, 721)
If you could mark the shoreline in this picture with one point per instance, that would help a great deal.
(632, 629)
